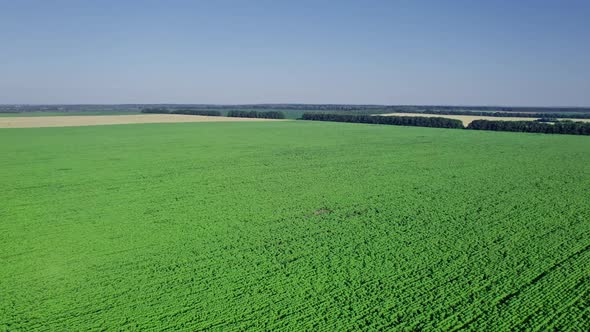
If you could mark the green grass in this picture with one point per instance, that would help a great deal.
(293, 226)
(27, 114)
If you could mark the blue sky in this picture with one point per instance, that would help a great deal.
(495, 52)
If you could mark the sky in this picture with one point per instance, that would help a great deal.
(395, 52)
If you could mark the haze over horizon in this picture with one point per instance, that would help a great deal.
(497, 53)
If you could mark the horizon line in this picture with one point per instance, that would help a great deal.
(282, 104)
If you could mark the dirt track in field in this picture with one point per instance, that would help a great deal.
(467, 119)
(74, 121)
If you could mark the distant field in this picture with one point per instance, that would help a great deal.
(69, 121)
(293, 225)
(467, 119)
(89, 113)
(290, 114)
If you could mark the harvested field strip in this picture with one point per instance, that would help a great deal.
(95, 120)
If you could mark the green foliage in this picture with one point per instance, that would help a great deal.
(256, 114)
(181, 111)
(560, 127)
(197, 112)
(417, 121)
(546, 119)
(502, 114)
(302, 226)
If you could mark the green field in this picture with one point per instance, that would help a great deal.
(307, 226)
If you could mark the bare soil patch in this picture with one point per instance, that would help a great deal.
(321, 211)
(74, 121)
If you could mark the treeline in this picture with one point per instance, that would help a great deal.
(378, 108)
(305, 107)
(560, 127)
(196, 112)
(231, 113)
(256, 114)
(417, 121)
(358, 108)
(69, 108)
(181, 111)
(443, 109)
(505, 114)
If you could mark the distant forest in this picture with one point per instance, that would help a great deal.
(540, 126)
(361, 109)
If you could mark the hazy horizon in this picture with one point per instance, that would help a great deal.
(457, 53)
(299, 104)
